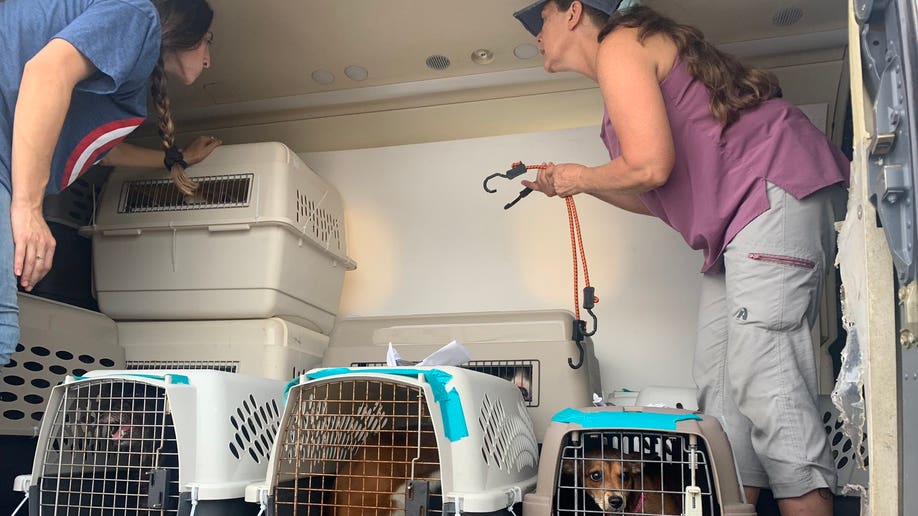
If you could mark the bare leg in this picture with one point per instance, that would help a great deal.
(818, 502)
(752, 495)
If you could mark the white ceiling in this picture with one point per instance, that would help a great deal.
(265, 51)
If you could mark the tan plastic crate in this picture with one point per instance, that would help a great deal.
(634, 460)
(270, 348)
(55, 340)
(523, 347)
(263, 237)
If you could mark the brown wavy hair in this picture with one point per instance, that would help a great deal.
(184, 25)
(733, 86)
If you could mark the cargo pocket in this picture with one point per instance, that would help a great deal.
(771, 290)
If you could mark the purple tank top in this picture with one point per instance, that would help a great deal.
(717, 185)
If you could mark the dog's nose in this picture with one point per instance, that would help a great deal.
(616, 502)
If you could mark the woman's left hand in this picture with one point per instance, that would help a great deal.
(567, 178)
(200, 148)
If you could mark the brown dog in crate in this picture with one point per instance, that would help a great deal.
(625, 483)
(376, 479)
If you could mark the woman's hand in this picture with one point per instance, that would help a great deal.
(200, 148)
(564, 180)
(33, 244)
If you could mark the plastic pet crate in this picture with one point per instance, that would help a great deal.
(523, 347)
(844, 450)
(271, 348)
(400, 440)
(55, 340)
(262, 237)
(634, 461)
(153, 442)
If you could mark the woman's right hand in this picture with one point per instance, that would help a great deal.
(544, 181)
(33, 243)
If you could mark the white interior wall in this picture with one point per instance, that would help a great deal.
(428, 239)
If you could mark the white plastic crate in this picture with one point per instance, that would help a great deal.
(271, 348)
(393, 440)
(145, 442)
(844, 449)
(55, 340)
(634, 461)
(523, 347)
(262, 237)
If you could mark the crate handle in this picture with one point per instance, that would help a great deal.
(229, 227)
(121, 232)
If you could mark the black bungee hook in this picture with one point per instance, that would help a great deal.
(517, 170)
(580, 327)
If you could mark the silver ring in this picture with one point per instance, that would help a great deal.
(213, 138)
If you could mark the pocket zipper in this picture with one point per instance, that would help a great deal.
(783, 260)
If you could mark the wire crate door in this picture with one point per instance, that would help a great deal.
(109, 450)
(357, 447)
(633, 473)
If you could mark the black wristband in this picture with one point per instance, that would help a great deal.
(174, 157)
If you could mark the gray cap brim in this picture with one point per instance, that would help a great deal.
(531, 16)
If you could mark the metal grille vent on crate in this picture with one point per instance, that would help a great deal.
(272, 348)
(132, 443)
(375, 440)
(522, 373)
(230, 191)
(520, 347)
(161, 255)
(636, 461)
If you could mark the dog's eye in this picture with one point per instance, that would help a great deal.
(596, 476)
(626, 476)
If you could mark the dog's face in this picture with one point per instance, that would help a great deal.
(608, 479)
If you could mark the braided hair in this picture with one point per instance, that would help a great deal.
(184, 25)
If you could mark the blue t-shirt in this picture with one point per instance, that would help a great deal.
(120, 37)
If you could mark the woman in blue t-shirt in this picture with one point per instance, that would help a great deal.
(73, 83)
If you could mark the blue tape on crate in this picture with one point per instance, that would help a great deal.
(636, 420)
(454, 426)
(176, 378)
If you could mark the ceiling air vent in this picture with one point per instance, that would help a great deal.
(437, 62)
(787, 16)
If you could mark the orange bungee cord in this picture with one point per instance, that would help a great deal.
(589, 298)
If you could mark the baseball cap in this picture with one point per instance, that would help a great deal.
(531, 16)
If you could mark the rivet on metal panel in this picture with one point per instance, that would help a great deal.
(906, 338)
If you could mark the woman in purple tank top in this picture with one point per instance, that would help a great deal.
(706, 144)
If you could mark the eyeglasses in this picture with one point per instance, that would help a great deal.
(209, 38)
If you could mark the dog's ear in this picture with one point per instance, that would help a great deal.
(567, 466)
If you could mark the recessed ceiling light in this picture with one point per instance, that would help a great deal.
(323, 77)
(482, 56)
(357, 73)
(526, 51)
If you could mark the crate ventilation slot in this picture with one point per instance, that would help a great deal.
(227, 366)
(256, 428)
(323, 225)
(506, 443)
(156, 195)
